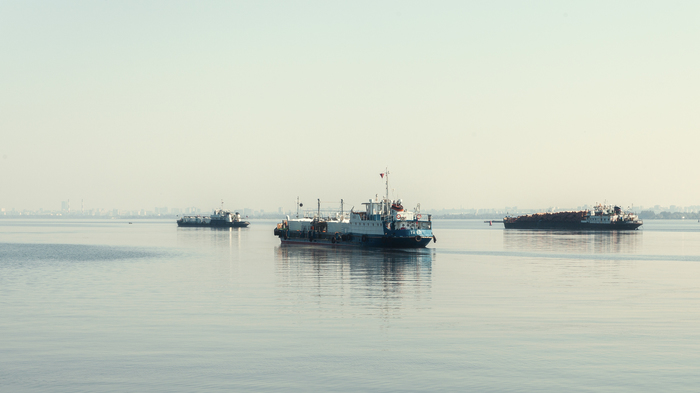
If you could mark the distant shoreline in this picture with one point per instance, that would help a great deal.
(644, 216)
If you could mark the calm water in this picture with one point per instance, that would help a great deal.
(100, 306)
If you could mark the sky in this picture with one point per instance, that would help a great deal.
(142, 104)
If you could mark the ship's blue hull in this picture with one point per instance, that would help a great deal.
(370, 242)
(390, 240)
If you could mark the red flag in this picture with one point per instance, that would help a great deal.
(382, 175)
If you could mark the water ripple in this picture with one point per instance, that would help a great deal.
(69, 252)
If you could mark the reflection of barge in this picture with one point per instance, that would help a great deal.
(572, 242)
(220, 219)
(604, 218)
(384, 223)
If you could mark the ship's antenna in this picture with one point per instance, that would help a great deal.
(297, 207)
(319, 208)
(386, 176)
(341, 209)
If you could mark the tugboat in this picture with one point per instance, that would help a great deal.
(220, 219)
(603, 218)
(384, 223)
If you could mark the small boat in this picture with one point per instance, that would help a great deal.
(220, 219)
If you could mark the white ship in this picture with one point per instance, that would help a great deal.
(383, 223)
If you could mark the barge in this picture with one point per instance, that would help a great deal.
(602, 218)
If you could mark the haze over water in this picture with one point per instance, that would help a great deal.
(108, 306)
(136, 105)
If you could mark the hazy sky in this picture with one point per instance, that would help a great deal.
(137, 104)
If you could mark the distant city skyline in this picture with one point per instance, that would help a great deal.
(253, 212)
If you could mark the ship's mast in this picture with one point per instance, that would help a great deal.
(386, 177)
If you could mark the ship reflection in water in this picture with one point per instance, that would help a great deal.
(211, 236)
(385, 281)
(570, 258)
(573, 242)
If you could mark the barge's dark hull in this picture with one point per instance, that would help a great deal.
(214, 224)
(572, 226)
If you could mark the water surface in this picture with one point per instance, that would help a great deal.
(104, 305)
